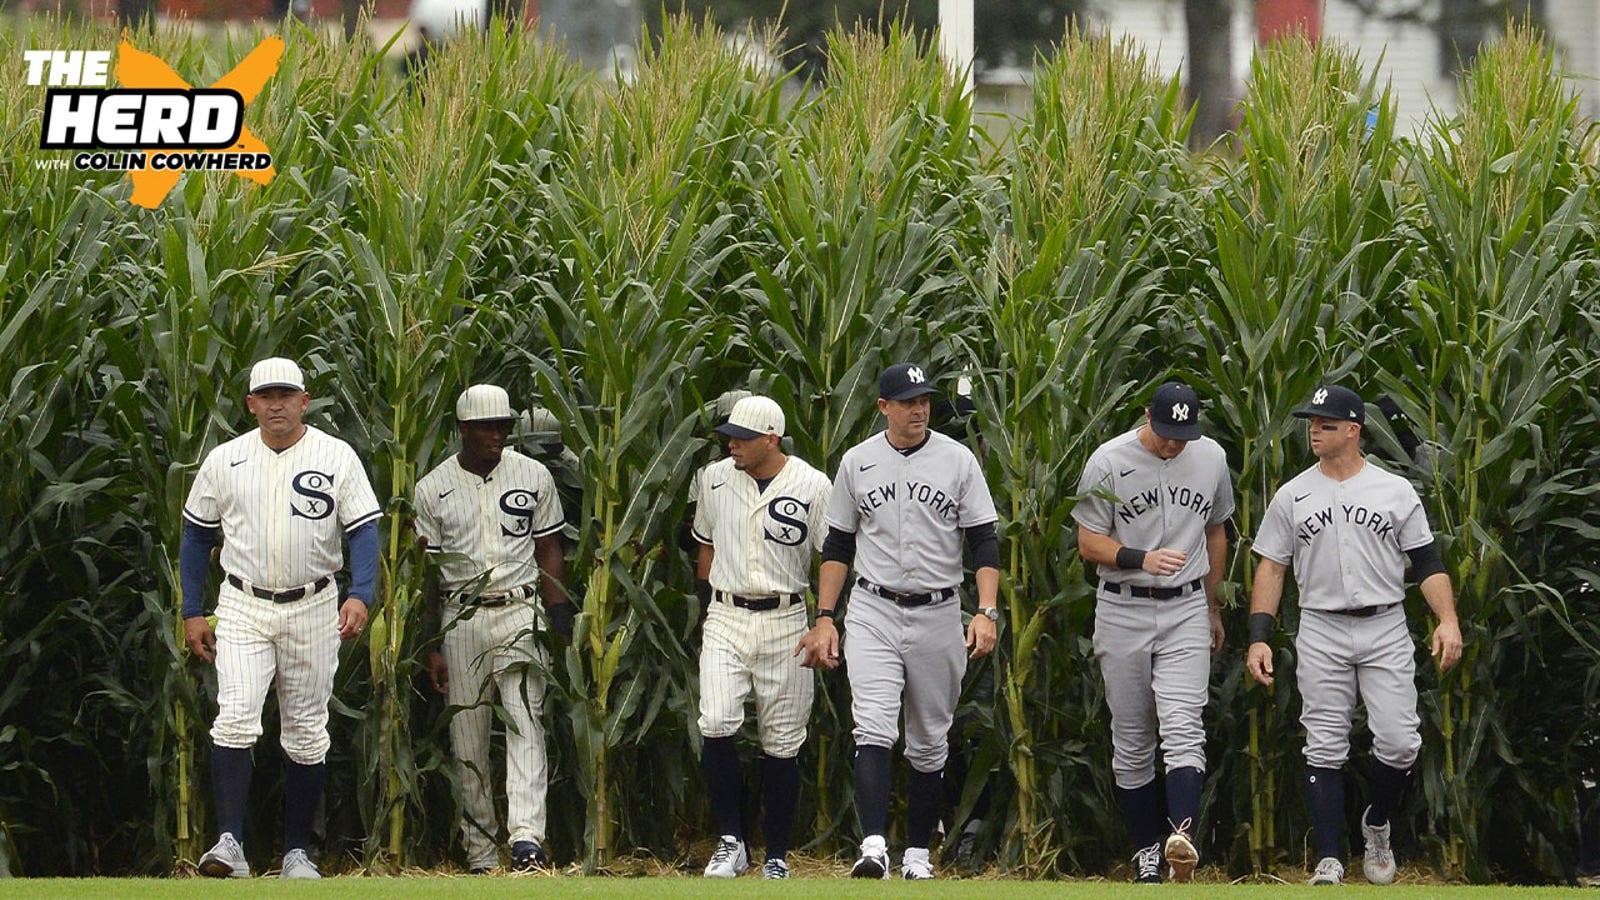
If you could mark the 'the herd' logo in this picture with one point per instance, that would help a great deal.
(156, 126)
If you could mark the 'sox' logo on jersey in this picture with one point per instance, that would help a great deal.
(1320, 397)
(518, 504)
(1180, 412)
(915, 374)
(313, 500)
(790, 515)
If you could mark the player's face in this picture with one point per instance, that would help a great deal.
(278, 411)
(1331, 437)
(908, 419)
(752, 454)
(1166, 448)
(484, 442)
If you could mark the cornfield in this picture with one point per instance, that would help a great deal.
(623, 253)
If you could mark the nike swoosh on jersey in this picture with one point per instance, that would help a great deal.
(870, 466)
(236, 463)
(1301, 497)
(445, 494)
(1126, 473)
(718, 484)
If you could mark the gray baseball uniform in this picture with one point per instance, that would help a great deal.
(1153, 633)
(1346, 541)
(485, 530)
(764, 541)
(908, 513)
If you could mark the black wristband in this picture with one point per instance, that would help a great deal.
(1262, 627)
(561, 616)
(825, 613)
(702, 590)
(1129, 558)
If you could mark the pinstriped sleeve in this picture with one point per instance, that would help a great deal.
(202, 507)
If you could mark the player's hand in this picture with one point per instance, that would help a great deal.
(202, 640)
(1218, 633)
(819, 649)
(1447, 644)
(980, 637)
(439, 672)
(1164, 561)
(352, 618)
(1259, 662)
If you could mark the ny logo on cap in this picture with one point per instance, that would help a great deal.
(1180, 412)
(1320, 397)
(916, 376)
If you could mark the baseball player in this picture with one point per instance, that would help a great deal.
(902, 502)
(759, 522)
(280, 499)
(1153, 520)
(1349, 529)
(493, 517)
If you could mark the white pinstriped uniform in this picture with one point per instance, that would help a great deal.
(283, 516)
(485, 529)
(763, 543)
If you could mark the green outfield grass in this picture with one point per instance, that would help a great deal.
(443, 887)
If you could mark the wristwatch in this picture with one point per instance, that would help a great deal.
(993, 612)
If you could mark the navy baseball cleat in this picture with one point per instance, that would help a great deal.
(527, 856)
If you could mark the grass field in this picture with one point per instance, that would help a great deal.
(445, 887)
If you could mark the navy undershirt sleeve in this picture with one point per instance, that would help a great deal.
(194, 563)
(363, 561)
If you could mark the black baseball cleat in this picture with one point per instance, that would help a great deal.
(1148, 862)
(527, 856)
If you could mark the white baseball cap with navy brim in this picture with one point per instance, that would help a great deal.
(753, 417)
(276, 372)
(485, 403)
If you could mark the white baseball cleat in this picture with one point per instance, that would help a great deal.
(1379, 861)
(729, 860)
(874, 861)
(915, 865)
(225, 860)
(297, 865)
(1329, 871)
(774, 869)
(1182, 857)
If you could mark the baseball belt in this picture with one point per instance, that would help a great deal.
(288, 596)
(1359, 612)
(758, 604)
(491, 601)
(1150, 593)
(905, 599)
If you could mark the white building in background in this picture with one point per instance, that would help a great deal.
(1411, 56)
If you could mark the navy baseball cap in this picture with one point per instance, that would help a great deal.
(903, 381)
(1334, 402)
(1175, 412)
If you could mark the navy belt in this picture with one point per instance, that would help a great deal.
(904, 599)
(491, 601)
(288, 596)
(1150, 593)
(1359, 612)
(758, 604)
